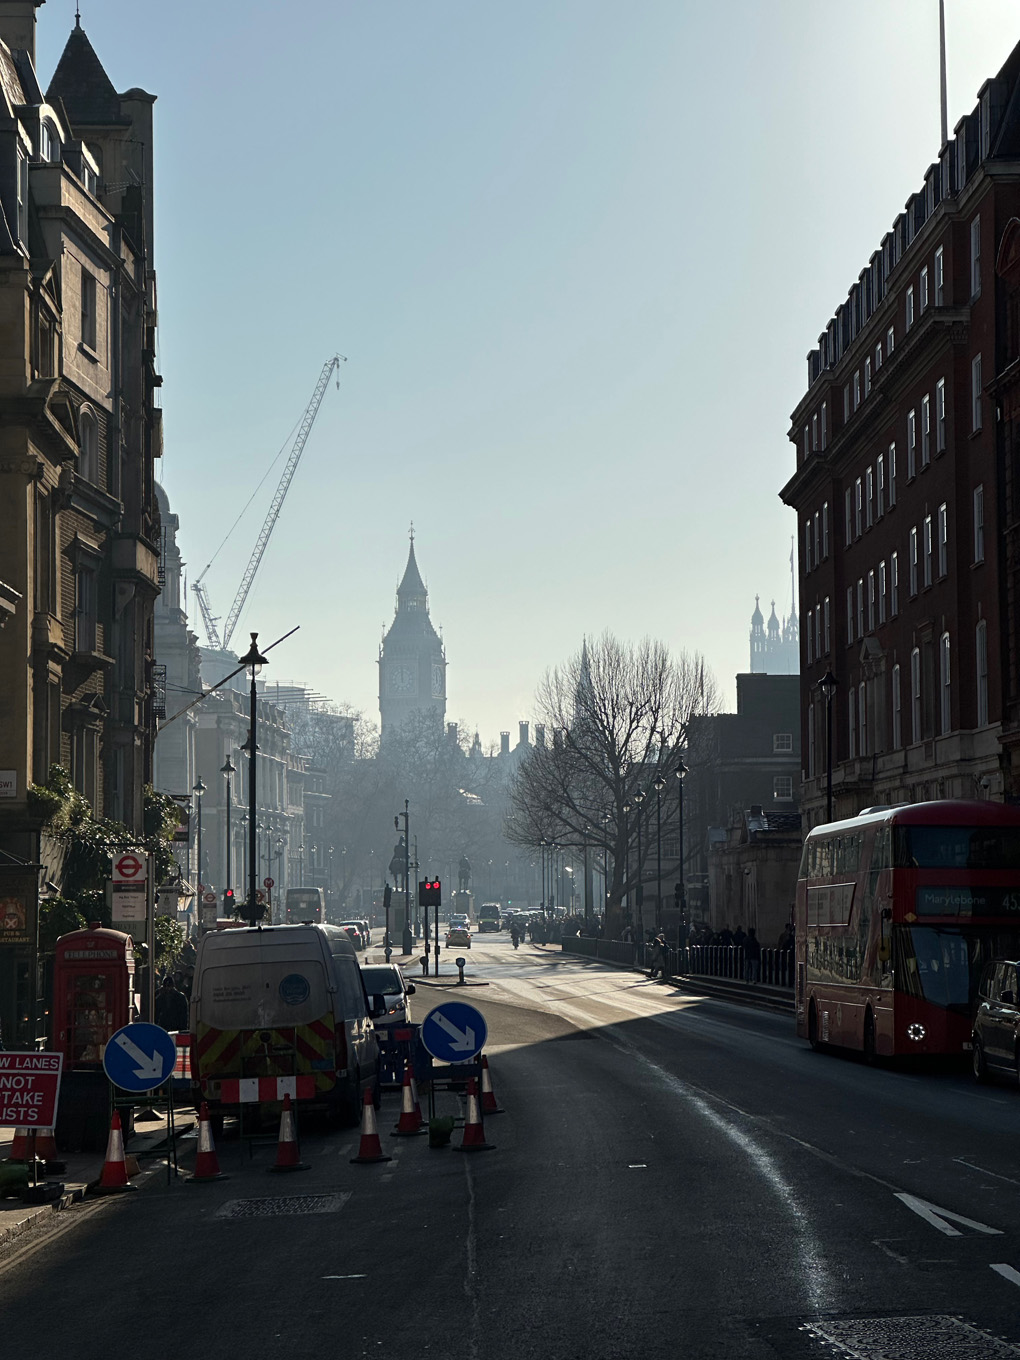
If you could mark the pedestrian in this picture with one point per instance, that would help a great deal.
(658, 967)
(171, 1007)
(752, 956)
(738, 936)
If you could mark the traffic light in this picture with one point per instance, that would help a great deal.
(430, 892)
(387, 897)
(228, 899)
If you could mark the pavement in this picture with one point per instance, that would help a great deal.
(81, 1169)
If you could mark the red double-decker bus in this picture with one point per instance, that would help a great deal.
(898, 910)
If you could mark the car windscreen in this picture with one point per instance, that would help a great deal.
(381, 981)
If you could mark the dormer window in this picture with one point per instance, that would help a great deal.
(49, 141)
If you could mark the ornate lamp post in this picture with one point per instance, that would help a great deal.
(827, 685)
(228, 770)
(681, 772)
(254, 660)
(658, 785)
(607, 818)
(639, 894)
(627, 911)
(198, 789)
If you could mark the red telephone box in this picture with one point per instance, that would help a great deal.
(93, 993)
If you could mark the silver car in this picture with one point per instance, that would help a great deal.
(386, 979)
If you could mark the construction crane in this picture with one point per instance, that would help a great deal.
(209, 620)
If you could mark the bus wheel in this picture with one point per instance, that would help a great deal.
(978, 1065)
(812, 1028)
(870, 1053)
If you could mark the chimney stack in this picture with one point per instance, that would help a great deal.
(539, 734)
(523, 738)
(504, 743)
(17, 25)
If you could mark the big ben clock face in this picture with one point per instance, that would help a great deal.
(437, 682)
(404, 680)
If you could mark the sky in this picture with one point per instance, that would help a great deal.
(575, 253)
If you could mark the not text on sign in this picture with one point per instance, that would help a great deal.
(29, 1089)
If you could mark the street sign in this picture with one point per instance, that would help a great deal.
(269, 883)
(29, 1089)
(129, 867)
(128, 903)
(209, 899)
(454, 1031)
(140, 1057)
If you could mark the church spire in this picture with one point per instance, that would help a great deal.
(411, 593)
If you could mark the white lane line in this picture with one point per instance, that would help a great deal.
(943, 1219)
(985, 1172)
(1007, 1273)
(345, 1277)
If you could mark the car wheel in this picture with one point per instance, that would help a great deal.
(812, 1028)
(870, 1052)
(978, 1062)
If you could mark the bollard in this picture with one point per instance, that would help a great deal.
(461, 963)
(425, 964)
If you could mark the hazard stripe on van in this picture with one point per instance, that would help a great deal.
(264, 1090)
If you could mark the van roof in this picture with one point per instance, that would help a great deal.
(282, 936)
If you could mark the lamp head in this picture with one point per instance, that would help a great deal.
(660, 782)
(827, 685)
(681, 771)
(198, 788)
(228, 768)
(254, 657)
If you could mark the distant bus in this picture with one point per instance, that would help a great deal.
(898, 910)
(304, 904)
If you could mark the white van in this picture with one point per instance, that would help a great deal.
(279, 1010)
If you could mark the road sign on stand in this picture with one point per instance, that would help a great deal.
(29, 1089)
(269, 883)
(130, 867)
(454, 1032)
(140, 1057)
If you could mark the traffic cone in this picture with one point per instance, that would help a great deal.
(489, 1105)
(417, 1103)
(288, 1157)
(474, 1131)
(114, 1177)
(370, 1149)
(410, 1116)
(45, 1146)
(207, 1164)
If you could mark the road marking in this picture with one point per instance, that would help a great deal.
(985, 1172)
(1007, 1273)
(894, 1255)
(345, 1277)
(943, 1219)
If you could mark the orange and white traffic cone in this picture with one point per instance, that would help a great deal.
(20, 1148)
(369, 1149)
(410, 1116)
(207, 1164)
(474, 1131)
(417, 1102)
(114, 1177)
(288, 1156)
(489, 1105)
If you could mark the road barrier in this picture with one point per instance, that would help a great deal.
(726, 962)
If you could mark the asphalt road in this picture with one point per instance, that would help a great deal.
(673, 1176)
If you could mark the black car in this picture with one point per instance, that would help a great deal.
(996, 1035)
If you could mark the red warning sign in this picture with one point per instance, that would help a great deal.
(29, 1089)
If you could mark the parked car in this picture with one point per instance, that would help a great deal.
(386, 979)
(458, 935)
(995, 1039)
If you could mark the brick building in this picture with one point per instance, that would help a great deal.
(902, 527)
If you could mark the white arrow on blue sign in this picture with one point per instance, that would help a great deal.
(140, 1057)
(454, 1032)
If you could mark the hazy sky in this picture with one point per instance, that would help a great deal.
(575, 252)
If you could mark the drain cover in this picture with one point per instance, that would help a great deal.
(279, 1205)
(924, 1337)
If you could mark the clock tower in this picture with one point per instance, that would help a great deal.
(412, 662)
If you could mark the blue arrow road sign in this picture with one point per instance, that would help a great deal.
(140, 1057)
(454, 1032)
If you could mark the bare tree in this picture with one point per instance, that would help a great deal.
(617, 717)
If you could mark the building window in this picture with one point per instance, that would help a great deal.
(809, 638)
(88, 308)
(878, 356)
(807, 442)
(857, 389)
(915, 695)
(88, 457)
(940, 416)
(880, 485)
(858, 506)
(49, 142)
(860, 606)
(862, 718)
(914, 561)
(911, 444)
(981, 665)
(943, 540)
(818, 538)
(923, 299)
(825, 423)
(782, 741)
(867, 377)
(897, 714)
(807, 546)
(846, 403)
(945, 706)
(940, 278)
(814, 433)
(975, 392)
(782, 788)
(910, 308)
(892, 475)
(810, 740)
(881, 593)
(927, 548)
(825, 529)
(975, 258)
(818, 631)
(872, 593)
(848, 531)
(890, 336)
(825, 624)
(869, 497)
(22, 200)
(925, 430)
(851, 723)
(849, 616)
(85, 608)
(979, 524)
(894, 585)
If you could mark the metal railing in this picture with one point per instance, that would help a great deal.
(775, 967)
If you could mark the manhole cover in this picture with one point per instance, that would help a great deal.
(280, 1205)
(924, 1337)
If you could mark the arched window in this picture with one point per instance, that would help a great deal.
(88, 458)
(49, 141)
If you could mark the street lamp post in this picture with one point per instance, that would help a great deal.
(681, 771)
(658, 785)
(329, 876)
(607, 817)
(228, 770)
(827, 685)
(254, 660)
(198, 789)
(639, 893)
(627, 909)
(542, 903)
(407, 943)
